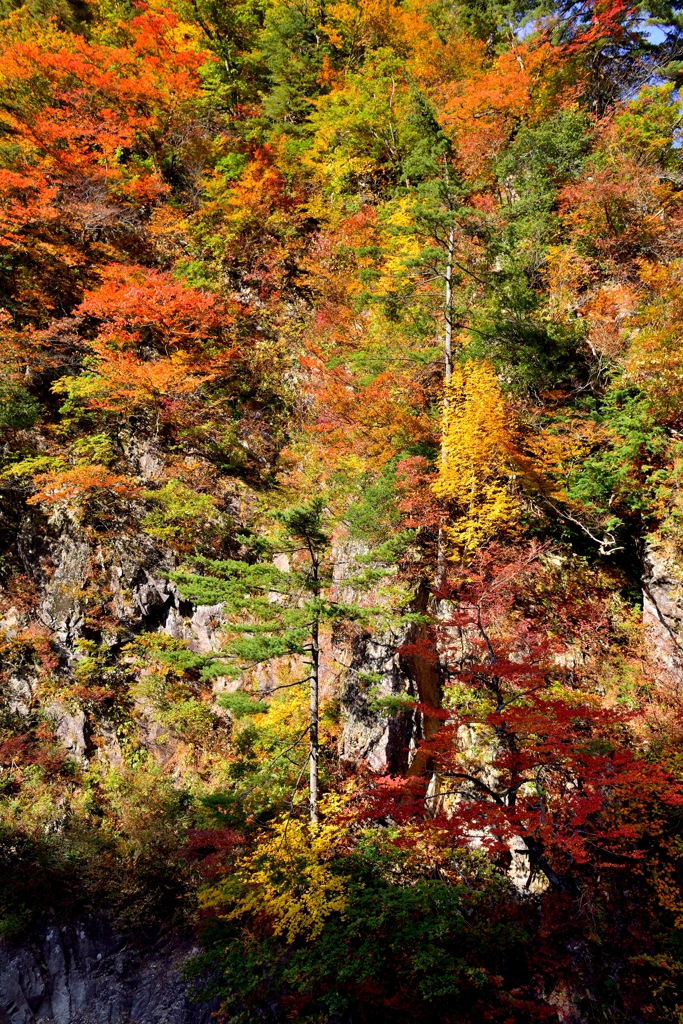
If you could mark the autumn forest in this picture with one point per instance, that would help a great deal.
(341, 475)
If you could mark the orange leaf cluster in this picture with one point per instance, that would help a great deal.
(72, 485)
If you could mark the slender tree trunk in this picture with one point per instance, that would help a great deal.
(314, 744)
(448, 345)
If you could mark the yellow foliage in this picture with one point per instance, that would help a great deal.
(568, 272)
(655, 359)
(477, 473)
(553, 453)
(287, 711)
(288, 878)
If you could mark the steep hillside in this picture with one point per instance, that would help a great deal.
(341, 590)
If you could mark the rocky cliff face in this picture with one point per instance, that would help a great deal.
(107, 590)
(663, 604)
(84, 973)
(103, 590)
(370, 735)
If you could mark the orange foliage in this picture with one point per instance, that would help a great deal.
(327, 265)
(374, 422)
(147, 307)
(159, 339)
(71, 485)
(482, 111)
(433, 57)
(83, 101)
(622, 210)
(124, 382)
(609, 312)
(654, 359)
(90, 123)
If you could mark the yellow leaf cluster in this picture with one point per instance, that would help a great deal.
(476, 475)
(289, 879)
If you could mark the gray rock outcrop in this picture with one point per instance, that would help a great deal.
(84, 973)
(663, 604)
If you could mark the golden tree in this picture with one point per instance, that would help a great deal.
(476, 475)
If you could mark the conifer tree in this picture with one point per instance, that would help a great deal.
(439, 224)
(275, 612)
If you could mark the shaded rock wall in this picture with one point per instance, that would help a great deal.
(84, 973)
(372, 736)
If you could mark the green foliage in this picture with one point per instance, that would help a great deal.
(491, 20)
(397, 948)
(189, 718)
(514, 332)
(620, 480)
(116, 840)
(363, 131)
(305, 523)
(513, 326)
(19, 410)
(270, 611)
(94, 449)
(231, 30)
(536, 163)
(294, 52)
(375, 513)
(241, 704)
(182, 517)
(650, 124)
(390, 704)
(72, 14)
(261, 592)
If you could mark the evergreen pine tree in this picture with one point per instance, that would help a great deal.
(275, 612)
